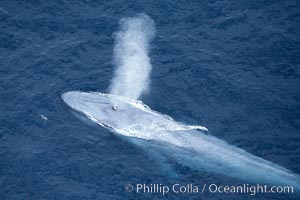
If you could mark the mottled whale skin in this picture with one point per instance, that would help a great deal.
(188, 145)
(125, 116)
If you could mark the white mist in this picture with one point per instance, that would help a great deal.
(132, 74)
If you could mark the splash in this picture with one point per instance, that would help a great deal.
(133, 67)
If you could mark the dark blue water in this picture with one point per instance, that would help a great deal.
(232, 66)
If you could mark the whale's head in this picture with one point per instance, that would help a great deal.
(124, 116)
(115, 112)
(101, 108)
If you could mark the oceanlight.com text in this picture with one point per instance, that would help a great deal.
(190, 188)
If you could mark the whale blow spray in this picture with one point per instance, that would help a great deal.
(133, 67)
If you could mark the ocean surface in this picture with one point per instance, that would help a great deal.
(231, 66)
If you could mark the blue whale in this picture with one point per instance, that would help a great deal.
(189, 145)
